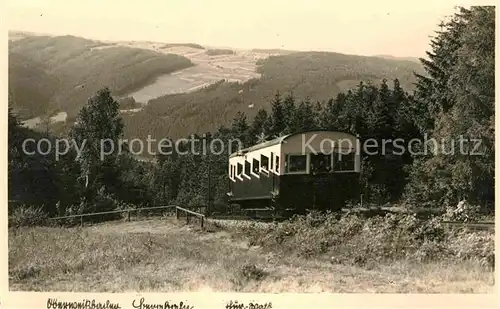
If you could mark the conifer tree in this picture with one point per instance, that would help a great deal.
(241, 130)
(318, 112)
(381, 120)
(289, 110)
(260, 127)
(304, 116)
(458, 95)
(278, 118)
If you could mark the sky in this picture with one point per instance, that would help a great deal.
(398, 28)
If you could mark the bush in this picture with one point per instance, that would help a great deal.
(27, 216)
(473, 246)
(103, 202)
(252, 272)
(247, 273)
(462, 212)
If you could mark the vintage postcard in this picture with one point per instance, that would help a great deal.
(248, 154)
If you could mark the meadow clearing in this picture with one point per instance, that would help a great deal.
(165, 255)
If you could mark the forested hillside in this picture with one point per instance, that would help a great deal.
(454, 98)
(313, 75)
(81, 67)
(30, 84)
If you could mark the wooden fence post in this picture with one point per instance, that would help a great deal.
(128, 216)
(177, 213)
(187, 217)
(81, 220)
(202, 219)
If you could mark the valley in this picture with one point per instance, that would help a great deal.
(179, 88)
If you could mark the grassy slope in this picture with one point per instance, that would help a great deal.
(82, 70)
(153, 255)
(318, 75)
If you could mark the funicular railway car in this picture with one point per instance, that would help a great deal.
(293, 173)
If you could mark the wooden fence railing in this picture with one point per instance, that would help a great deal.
(128, 211)
(178, 211)
(190, 213)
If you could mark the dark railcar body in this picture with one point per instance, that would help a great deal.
(284, 174)
(297, 192)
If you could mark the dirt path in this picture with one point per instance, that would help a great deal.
(164, 255)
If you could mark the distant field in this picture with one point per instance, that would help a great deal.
(187, 80)
(153, 255)
(208, 69)
(217, 52)
(191, 45)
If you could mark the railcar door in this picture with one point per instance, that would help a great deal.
(274, 165)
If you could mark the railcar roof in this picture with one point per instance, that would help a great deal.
(275, 141)
(272, 142)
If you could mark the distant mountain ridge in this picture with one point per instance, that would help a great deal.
(390, 57)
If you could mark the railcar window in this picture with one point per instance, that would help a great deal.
(247, 168)
(255, 166)
(231, 171)
(240, 169)
(296, 163)
(277, 164)
(344, 161)
(272, 162)
(321, 163)
(264, 162)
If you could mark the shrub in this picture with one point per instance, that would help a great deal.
(252, 272)
(103, 202)
(473, 246)
(463, 211)
(27, 216)
(26, 272)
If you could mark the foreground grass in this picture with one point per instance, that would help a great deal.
(165, 256)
